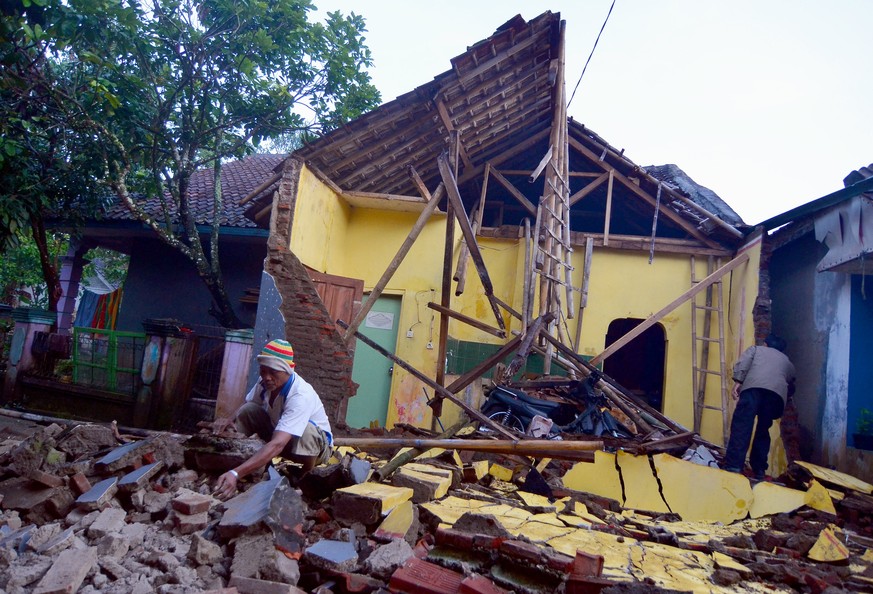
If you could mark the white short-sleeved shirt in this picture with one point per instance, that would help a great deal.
(298, 408)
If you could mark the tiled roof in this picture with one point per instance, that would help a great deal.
(238, 179)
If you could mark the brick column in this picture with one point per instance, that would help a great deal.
(28, 321)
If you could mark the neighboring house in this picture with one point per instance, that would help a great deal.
(161, 282)
(823, 306)
(344, 205)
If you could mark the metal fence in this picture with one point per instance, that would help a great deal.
(108, 359)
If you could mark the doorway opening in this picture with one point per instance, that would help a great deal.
(639, 365)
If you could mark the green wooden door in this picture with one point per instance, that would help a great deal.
(372, 370)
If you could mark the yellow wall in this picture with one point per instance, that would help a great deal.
(333, 237)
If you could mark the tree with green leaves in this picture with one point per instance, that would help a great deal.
(150, 92)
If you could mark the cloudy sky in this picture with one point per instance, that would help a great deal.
(765, 102)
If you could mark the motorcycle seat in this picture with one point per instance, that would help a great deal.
(507, 395)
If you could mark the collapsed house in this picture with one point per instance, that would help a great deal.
(470, 217)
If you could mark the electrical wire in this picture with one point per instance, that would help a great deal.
(591, 54)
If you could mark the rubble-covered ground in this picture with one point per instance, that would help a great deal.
(85, 509)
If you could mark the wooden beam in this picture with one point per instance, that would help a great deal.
(367, 305)
(543, 162)
(455, 198)
(378, 196)
(527, 204)
(506, 155)
(608, 208)
(437, 388)
(668, 212)
(468, 320)
(621, 242)
(657, 317)
(324, 178)
(537, 448)
(447, 122)
(254, 193)
(589, 188)
(477, 372)
(583, 300)
(461, 271)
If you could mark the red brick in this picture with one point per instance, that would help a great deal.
(189, 524)
(68, 571)
(192, 503)
(80, 484)
(477, 584)
(425, 578)
(44, 478)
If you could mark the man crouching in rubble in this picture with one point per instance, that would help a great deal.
(284, 411)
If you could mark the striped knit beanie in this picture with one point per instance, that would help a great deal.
(277, 355)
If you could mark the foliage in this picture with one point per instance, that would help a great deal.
(143, 95)
(109, 264)
(21, 280)
(865, 422)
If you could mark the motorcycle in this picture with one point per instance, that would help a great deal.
(586, 412)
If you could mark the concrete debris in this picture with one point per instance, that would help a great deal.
(621, 523)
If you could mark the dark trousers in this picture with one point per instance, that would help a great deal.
(764, 405)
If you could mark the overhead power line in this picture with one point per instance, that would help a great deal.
(606, 20)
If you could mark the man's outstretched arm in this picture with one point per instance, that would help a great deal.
(227, 482)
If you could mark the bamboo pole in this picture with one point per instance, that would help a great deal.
(655, 318)
(565, 449)
(367, 305)
(435, 386)
(383, 472)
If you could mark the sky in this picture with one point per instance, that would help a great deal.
(765, 102)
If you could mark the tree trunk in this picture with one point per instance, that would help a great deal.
(49, 270)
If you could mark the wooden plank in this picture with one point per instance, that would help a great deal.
(380, 196)
(527, 204)
(656, 317)
(461, 272)
(437, 388)
(466, 229)
(583, 300)
(367, 305)
(619, 242)
(543, 162)
(467, 320)
(608, 208)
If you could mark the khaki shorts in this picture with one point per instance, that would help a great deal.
(313, 442)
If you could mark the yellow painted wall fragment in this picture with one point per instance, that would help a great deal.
(701, 493)
(389, 495)
(641, 489)
(817, 497)
(500, 472)
(425, 486)
(723, 561)
(600, 478)
(829, 546)
(837, 478)
(451, 508)
(397, 523)
(774, 499)
(541, 503)
(430, 469)
(479, 468)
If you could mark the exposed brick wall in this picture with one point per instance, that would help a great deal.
(319, 351)
(761, 315)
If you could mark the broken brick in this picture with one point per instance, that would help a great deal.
(80, 484)
(44, 478)
(99, 494)
(140, 477)
(333, 555)
(67, 572)
(478, 584)
(109, 521)
(191, 503)
(425, 578)
(119, 458)
(190, 523)
(367, 502)
(246, 585)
